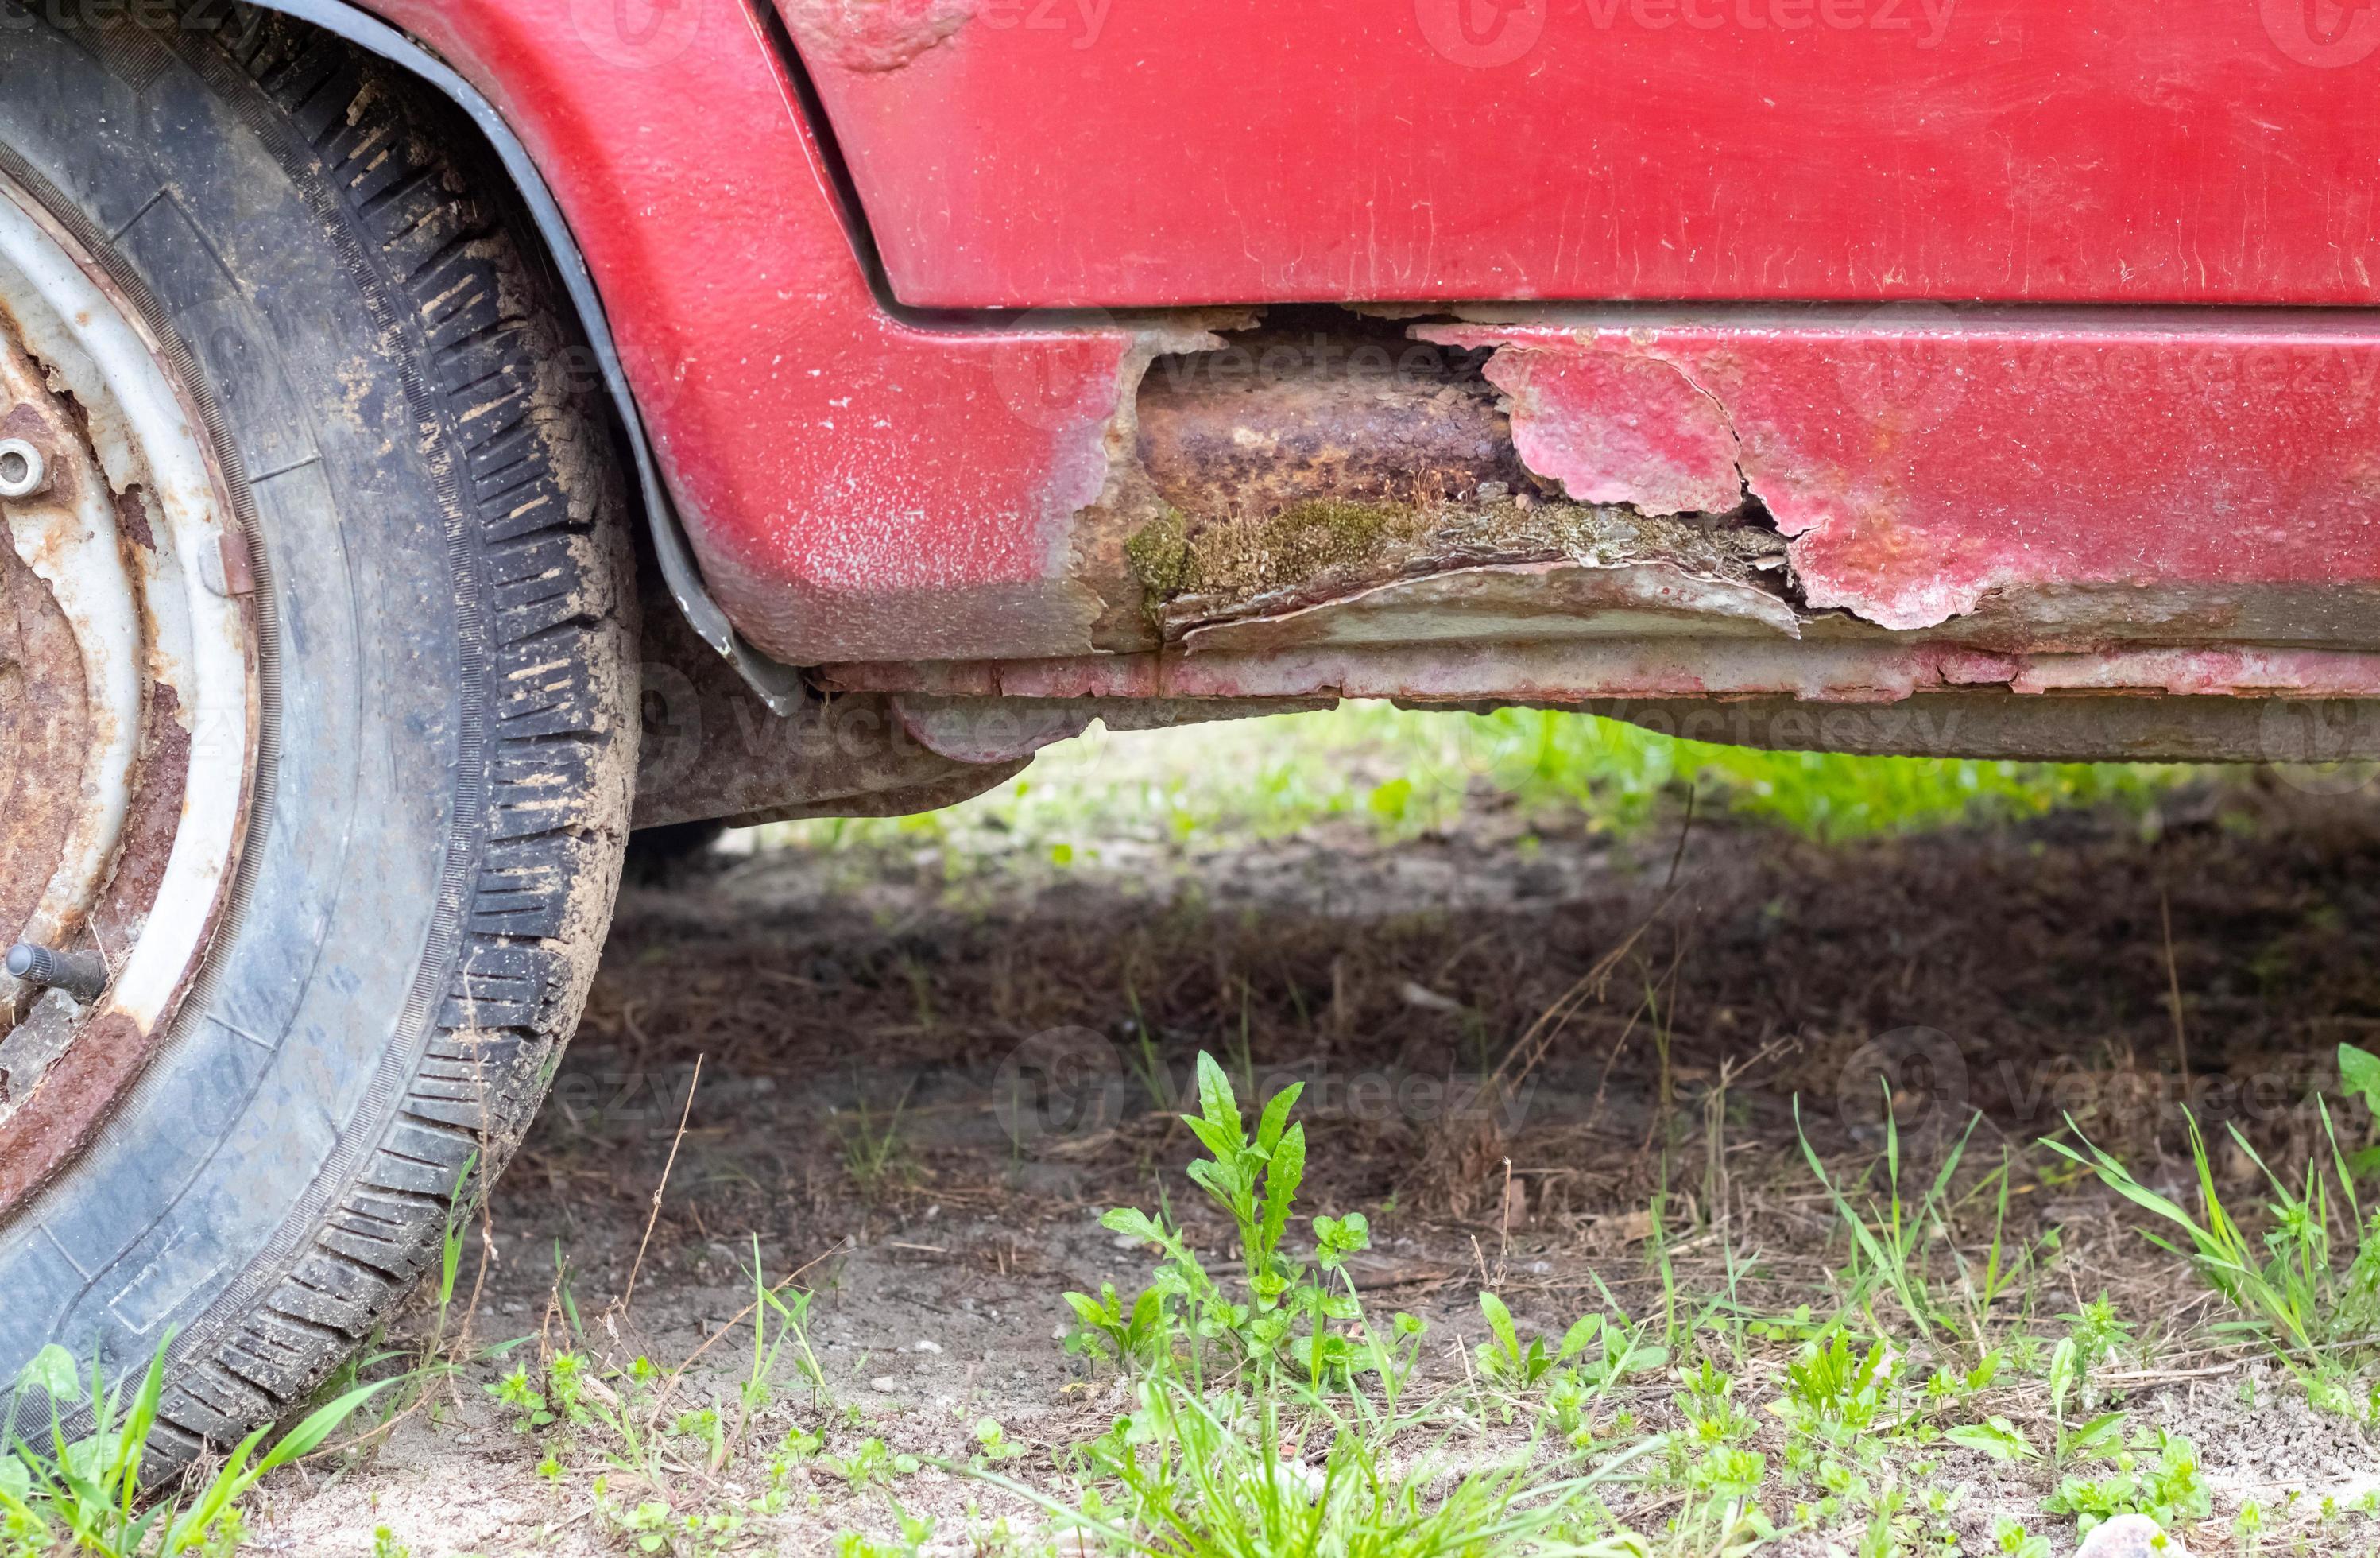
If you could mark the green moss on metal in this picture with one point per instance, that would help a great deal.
(1159, 554)
(1195, 568)
(1318, 539)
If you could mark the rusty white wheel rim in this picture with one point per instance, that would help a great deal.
(122, 531)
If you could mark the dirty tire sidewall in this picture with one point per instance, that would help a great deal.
(451, 630)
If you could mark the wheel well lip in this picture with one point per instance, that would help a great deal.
(780, 687)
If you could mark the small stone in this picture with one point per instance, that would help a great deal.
(2132, 1536)
(1490, 490)
(925, 1345)
(1427, 999)
(885, 1383)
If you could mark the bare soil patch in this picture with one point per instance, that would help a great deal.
(863, 1019)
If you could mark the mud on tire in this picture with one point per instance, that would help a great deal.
(443, 791)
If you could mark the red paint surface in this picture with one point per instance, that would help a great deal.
(1921, 467)
(1166, 152)
(852, 485)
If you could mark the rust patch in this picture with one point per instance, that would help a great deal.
(23, 420)
(1284, 415)
(1658, 511)
(239, 569)
(132, 518)
(1328, 456)
(1101, 533)
(63, 1109)
(874, 35)
(989, 730)
(1320, 552)
(83, 1069)
(1517, 603)
(45, 728)
(159, 785)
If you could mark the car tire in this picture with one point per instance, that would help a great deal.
(442, 572)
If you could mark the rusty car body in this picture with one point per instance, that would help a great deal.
(932, 378)
(1754, 353)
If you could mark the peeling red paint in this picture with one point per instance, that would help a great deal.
(1659, 444)
(874, 35)
(1921, 465)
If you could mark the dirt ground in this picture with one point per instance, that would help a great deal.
(919, 1086)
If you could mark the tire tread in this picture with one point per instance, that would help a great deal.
(533, 476)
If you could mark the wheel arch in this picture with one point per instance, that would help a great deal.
(778, 686)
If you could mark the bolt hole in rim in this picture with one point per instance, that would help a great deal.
(21, 469)
(119, 512)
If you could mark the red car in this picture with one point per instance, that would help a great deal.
(931, 377)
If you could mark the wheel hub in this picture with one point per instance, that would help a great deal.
(129, 702)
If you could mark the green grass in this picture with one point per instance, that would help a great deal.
(1268, 1406)
(85, 1494)
(2309, 1287)
(1274, 1414)
(1405, 773)
(874, 1152)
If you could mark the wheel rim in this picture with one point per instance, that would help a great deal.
(130, 697)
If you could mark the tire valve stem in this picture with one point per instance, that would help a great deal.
(80, 974)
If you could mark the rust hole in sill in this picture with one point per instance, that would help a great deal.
(1324, 452)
